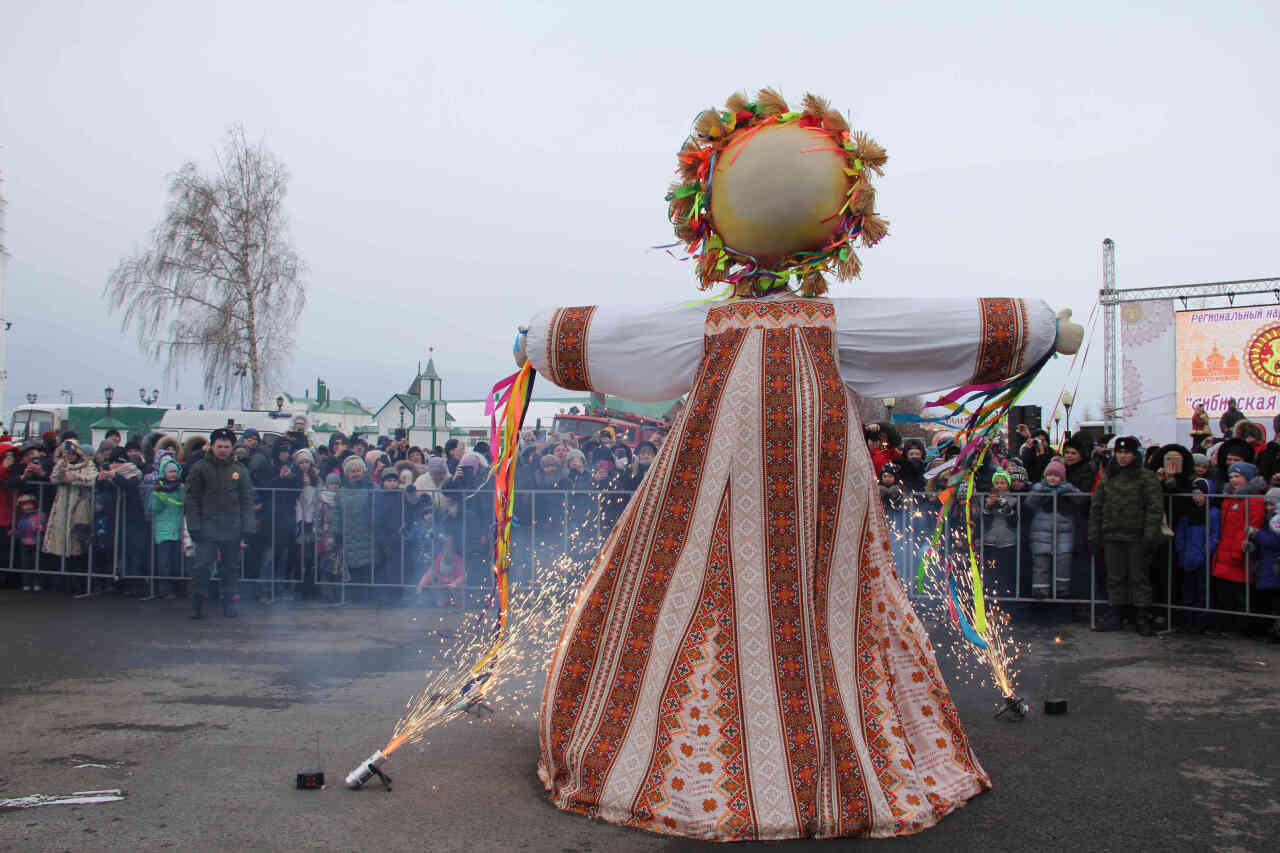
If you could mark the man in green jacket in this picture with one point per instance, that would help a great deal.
(1125, 518)
(219, 513)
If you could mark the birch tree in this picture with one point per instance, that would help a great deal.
(219, 283)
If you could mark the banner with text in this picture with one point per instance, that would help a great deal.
(1229, 353)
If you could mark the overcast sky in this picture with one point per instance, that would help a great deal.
(458, 166)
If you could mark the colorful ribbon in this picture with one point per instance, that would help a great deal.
(510, 395)
(986, 406)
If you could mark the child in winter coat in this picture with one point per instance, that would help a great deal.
(1233, 565)
(1267, 579)
(446, 576)
(419, 539)
(28, 527)
(897, 516)
(329, 565)
(1000, 534)
(168, 496)
(891, 493)
(1052, 532)
(1194, 541)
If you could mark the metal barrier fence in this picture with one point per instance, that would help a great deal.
(91, 538)
(369, 541)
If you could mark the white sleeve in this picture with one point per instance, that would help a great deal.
(900, 347)
(636, 352)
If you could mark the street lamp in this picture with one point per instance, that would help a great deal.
(108, 393)
(1068, 400)
(889, 403)
(68, 394)
(31, 399)
(147, 401)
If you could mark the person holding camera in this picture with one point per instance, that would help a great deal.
(1036, 454)
(219, 514)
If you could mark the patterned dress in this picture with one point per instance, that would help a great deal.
(742, 663)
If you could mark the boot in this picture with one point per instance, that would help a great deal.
(197, 606)
(1142, 616)
(229, 605)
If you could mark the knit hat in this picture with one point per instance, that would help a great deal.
(304, 453)
(332, 479)
(437, 464)
(26, 498)
(371, 457)
(471, 459)
(1200, 459)
(169, 461)
(353, 463)
(890, 468)
(1244, 469)
(1017, 471)
(576, 454)
(1272, 496)
(1002, 475)
(390, 474)
(250, 432)
(1056, 467)
(1200, 484)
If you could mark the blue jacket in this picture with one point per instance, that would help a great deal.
(1189, 541)
(1267, 574)
(1053, 531)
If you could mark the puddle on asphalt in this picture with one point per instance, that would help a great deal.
(264, 703)
(143, 727)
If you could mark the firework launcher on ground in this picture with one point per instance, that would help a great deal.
(1013, 709)
(366, 770)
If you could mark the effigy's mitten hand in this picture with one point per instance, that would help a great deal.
(519, 350)
(1070, 335)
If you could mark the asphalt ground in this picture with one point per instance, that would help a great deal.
(1170, 743)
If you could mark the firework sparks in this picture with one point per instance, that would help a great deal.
(456, 687)
(994, 665)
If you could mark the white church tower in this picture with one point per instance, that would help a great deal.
(430, 418)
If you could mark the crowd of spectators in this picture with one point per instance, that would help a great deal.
(1193, 525)
(344, 518)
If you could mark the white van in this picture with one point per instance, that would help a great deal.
(184, 423)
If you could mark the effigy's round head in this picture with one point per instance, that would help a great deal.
(776, 193)
(766, 194)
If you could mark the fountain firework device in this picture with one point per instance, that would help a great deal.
(367, 769)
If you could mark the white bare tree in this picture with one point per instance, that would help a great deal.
(220, 283)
